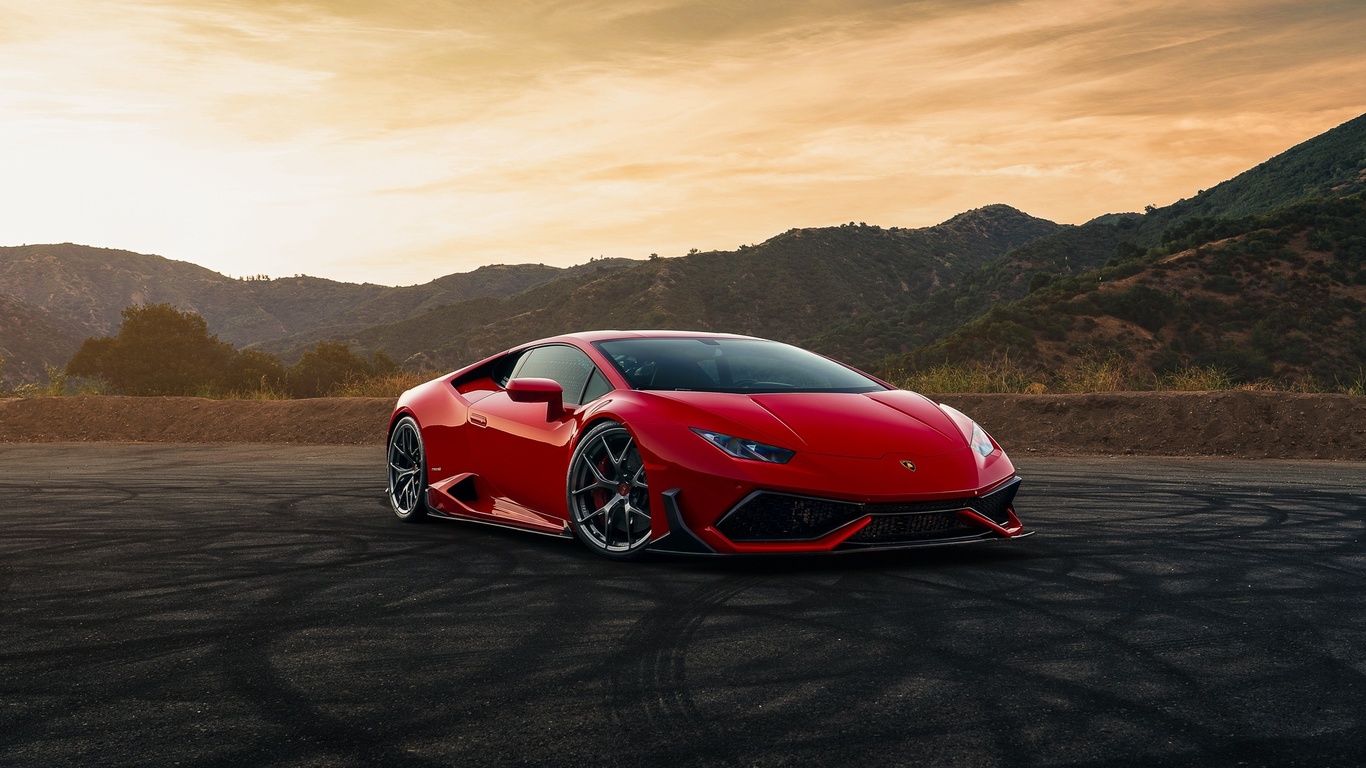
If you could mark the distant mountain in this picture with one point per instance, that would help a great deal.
(73, 291)
(789, 288)
(1332, 164)
(1277, 295)
(391, 305)
(32, 339)
(859, 293)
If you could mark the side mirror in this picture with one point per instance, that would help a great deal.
(545, 391)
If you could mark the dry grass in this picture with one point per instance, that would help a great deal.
(1196, 379)
(1357, 387)
(1111, 373)
(391, 385)
(260, 393)
(58, 385)
(388, 385)
(1107, 374)
(1000, 375)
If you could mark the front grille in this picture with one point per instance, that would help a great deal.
(915, 527)
(993, 506)
(767, 516)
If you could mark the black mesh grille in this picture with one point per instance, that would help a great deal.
(923, 525)
(917, 507)
(779, 517)
(992, 506)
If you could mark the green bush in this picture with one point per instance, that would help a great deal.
(159, 350)
(1141, 304)
(1241, 363)
(331, 366)
(252, 370)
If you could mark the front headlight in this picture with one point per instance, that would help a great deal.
(741, 448)
(980, 442)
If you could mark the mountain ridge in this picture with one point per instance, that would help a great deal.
(1279, 296)
(72, 292)
(1332, 164)
(856, 292)
(783, 288)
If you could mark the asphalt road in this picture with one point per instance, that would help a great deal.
(258, 606)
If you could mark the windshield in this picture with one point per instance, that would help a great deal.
(729, 365)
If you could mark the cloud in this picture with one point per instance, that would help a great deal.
(397, 141)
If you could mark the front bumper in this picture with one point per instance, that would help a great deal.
(771, 522)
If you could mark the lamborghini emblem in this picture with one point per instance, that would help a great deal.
(908, 464)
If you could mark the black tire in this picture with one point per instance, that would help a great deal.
(407, 472)
(609, 500)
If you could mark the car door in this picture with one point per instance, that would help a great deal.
(521, 453)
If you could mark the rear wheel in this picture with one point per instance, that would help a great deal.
(609, 501)
(407, 472)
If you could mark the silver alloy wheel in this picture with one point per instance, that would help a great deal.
(608, 495)
(407, 481)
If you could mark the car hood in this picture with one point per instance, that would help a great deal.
(867, 425)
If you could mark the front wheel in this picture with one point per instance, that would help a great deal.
(609, 501)
(407, 472)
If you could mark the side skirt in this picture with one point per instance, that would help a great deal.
(453, 499)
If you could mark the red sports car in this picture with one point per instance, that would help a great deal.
(695, 443)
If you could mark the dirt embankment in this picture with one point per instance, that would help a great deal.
(1233, 423)
(324, 421)
(1246, 424)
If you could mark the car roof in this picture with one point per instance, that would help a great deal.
(588, 337)
(592, 336)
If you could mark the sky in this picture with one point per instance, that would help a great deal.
(397, 141)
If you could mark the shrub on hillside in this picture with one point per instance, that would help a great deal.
(331, 366)
(159, 350)
(1141, 304)
(252, 370)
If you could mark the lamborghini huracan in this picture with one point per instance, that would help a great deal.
(695, 443)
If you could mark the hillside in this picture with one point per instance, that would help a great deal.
(392, 305)
(91, 286)
(32, 339)
(1329, 165)
(1332, 164)
(860, 293)
(789, 287)
(57, 295)
(1280, 295)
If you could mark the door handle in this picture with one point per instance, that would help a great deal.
(478, 419)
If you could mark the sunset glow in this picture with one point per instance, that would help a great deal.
(398, 141)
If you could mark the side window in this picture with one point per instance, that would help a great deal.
(566, 365)
(502, 370)
(597, 386)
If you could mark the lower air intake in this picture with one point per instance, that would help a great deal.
(767, 516)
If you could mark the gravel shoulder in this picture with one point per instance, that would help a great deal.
(1234, 424)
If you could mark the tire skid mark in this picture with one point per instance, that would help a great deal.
(1020, 668)
(648, 672)
(474, 646)
(246, 658)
